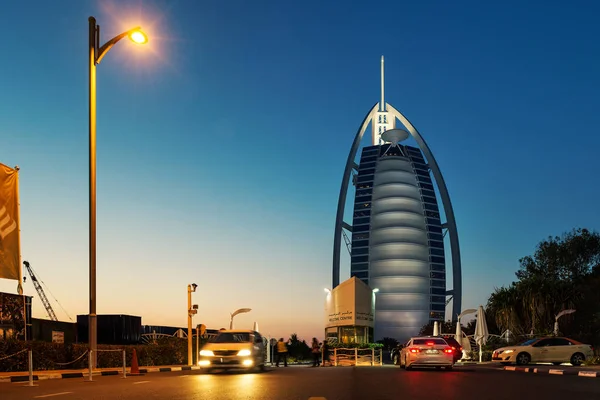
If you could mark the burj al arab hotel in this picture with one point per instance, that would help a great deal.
(397, 229)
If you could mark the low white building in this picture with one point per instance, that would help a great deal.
(349, 312)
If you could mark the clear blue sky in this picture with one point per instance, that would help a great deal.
(222, 143)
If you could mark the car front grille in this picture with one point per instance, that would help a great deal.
(225, 352)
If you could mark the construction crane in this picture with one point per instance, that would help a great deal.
(40, 291)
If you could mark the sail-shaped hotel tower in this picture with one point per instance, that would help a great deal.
(397, 229)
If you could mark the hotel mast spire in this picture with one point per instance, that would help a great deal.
(381, 120)
(382, 104)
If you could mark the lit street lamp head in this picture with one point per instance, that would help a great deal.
(138, 36)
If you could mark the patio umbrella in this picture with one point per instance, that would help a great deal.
(458, 333)
(481, 330)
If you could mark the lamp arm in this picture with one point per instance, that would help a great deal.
(108, 45)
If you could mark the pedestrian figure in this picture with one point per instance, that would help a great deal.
(315, 350)
(282, 352)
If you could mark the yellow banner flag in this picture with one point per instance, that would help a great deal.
(10, 243)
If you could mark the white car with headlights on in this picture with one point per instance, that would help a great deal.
(555, 350)
(229, 349)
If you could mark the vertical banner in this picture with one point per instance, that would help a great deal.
(10, 243)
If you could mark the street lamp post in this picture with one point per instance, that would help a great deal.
(192, 310)
(96, 53)
(236, 312)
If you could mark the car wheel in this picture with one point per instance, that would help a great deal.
(395, 359)
(406, 366)
(577, 359)
(523, 359)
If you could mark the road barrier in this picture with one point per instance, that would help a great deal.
(91, 358)
(357, 357)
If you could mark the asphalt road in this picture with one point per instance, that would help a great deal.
(377, 383)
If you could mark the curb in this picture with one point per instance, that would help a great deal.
(571, 372)
(67, 375)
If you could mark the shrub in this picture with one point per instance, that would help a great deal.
(51, 356)
(592, 361)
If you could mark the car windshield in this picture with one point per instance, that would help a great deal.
(229, 337)
(528, 342)
(427, 341)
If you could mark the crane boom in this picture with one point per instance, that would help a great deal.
(40, 291)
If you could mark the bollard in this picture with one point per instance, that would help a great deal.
(380, 357)
(30, 356)
(124, 365)
(335, 364)
(90, 355)
(355, 356)
(372, 356)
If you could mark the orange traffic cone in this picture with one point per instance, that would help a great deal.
(135, 368)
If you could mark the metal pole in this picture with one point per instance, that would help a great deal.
(20, 284)
(30, 356)
(355, 356)
(197, 342)
(189, 324)
(90, 356)
(92, 182)
(124, 365)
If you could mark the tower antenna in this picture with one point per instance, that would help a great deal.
(382, 104)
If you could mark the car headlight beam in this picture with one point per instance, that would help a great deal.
(206, 353)
(243, 353)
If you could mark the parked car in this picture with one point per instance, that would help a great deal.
(395, 354)
(428, 351)
(244, 349)
(555, 350)
(455, 346)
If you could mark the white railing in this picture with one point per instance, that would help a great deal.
(356, 357)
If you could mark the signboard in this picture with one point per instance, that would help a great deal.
(12, 315)
(349, 304)
(58, 337)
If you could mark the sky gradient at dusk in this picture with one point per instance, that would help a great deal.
(222, 143)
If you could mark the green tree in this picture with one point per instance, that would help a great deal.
(563, 273)
(388, 343)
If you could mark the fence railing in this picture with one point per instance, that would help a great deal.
(357, 357)
(89, 353)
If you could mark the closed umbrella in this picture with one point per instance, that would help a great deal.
(481, 330)
(436, 329)
(458, 333)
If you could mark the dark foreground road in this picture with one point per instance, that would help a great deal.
(376, 383)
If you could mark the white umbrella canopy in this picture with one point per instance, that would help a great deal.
(458, 333)
(481, 330)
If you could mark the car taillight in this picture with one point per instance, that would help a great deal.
(430, 343)
(448, 350)
(414, 350)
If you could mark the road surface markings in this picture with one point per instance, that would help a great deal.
(184, 376)
(51, 395)
(137, 383)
